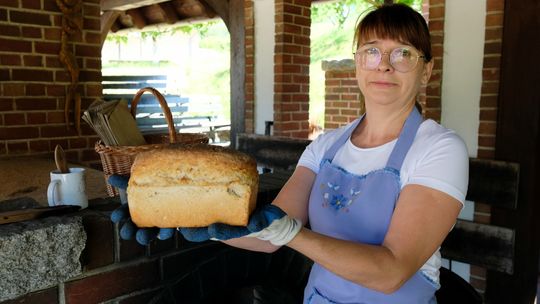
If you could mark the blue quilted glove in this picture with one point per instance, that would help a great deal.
(128, 229)
(268, 223)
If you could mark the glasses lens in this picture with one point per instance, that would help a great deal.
(369, 57)
(403, 59)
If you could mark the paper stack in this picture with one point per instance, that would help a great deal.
(113, 123)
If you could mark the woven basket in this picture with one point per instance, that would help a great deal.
(118, 159)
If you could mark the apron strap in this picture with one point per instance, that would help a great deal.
(330, 153)
(405, 140)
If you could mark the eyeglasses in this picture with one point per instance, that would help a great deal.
(402, 59)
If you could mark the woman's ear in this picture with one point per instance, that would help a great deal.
(426, 71)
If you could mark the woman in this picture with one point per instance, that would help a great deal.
(381, 193)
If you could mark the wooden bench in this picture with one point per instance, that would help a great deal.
(490, 182)
(150, 118)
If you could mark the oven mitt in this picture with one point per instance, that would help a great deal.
(128, 229)
(268, 223)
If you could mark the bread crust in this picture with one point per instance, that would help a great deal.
(192, 186)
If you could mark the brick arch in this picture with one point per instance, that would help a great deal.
(233, 15)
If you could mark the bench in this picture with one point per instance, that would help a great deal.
(490, 182)
(150, 118)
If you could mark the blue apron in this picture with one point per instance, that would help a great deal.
(359, 208)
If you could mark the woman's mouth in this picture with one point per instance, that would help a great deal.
(383, 83)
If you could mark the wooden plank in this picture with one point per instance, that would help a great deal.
(150, 109)
(160, 120)
(168, 11)
(488, 246)
(14, 216)
(124, 5)
(162, 129)
(271, 151)
(133, 78)
(148, 99)
(139, 20)
(133, 85)
(493, 182)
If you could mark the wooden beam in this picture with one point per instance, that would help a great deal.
(210, 12)
(168, 12)
(107, 20)
(236, 27)
(124, 5)
(271, 151)
(223, 9)
(493, 182)
(488, 246)
(518, 138)
(137, 17)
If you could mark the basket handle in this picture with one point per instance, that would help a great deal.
(164, 107)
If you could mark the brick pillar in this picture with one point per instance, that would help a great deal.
(490, 78)
(250, 67)
(33, 82)
(342, 95)
(291, 68)
(488, 111)
(436, 28)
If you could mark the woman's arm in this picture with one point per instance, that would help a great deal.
(293, 199)
(422, 219)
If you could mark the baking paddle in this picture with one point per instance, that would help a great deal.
(60, 159)
(35, 213)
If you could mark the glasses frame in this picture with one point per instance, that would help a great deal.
(357, 54)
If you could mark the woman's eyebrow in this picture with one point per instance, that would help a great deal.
(368, 42)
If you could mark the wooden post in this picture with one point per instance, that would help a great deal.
(518, 135)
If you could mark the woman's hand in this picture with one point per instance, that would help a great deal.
(268, 223)
(128, 229)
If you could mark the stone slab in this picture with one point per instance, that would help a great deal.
(39, 254)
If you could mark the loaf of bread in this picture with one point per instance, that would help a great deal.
(192, 186)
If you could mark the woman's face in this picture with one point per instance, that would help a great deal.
(386, 84)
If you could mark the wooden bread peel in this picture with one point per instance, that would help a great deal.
(34, 213)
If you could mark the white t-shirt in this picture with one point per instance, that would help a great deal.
(438, 159)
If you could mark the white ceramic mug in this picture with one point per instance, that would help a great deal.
(67, 188)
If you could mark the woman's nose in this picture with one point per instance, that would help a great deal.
(385, 64)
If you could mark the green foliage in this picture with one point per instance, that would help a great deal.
(337, 12)
(154, 35)
(117, 39)
(191, 28)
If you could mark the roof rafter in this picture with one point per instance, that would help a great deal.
(124, 5)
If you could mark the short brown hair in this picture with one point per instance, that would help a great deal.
(397, 22)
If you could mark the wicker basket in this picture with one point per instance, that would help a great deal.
(118, 159)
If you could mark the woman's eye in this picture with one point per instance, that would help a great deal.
(372, 51)
(403, 52)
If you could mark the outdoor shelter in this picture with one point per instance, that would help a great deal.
(34, 84)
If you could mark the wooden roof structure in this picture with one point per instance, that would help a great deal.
(141, 13)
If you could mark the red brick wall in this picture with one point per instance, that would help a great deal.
(490, 78)
(33, 82)
(291, 68)
(250, 67)
(432, 107)
(342, 95)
